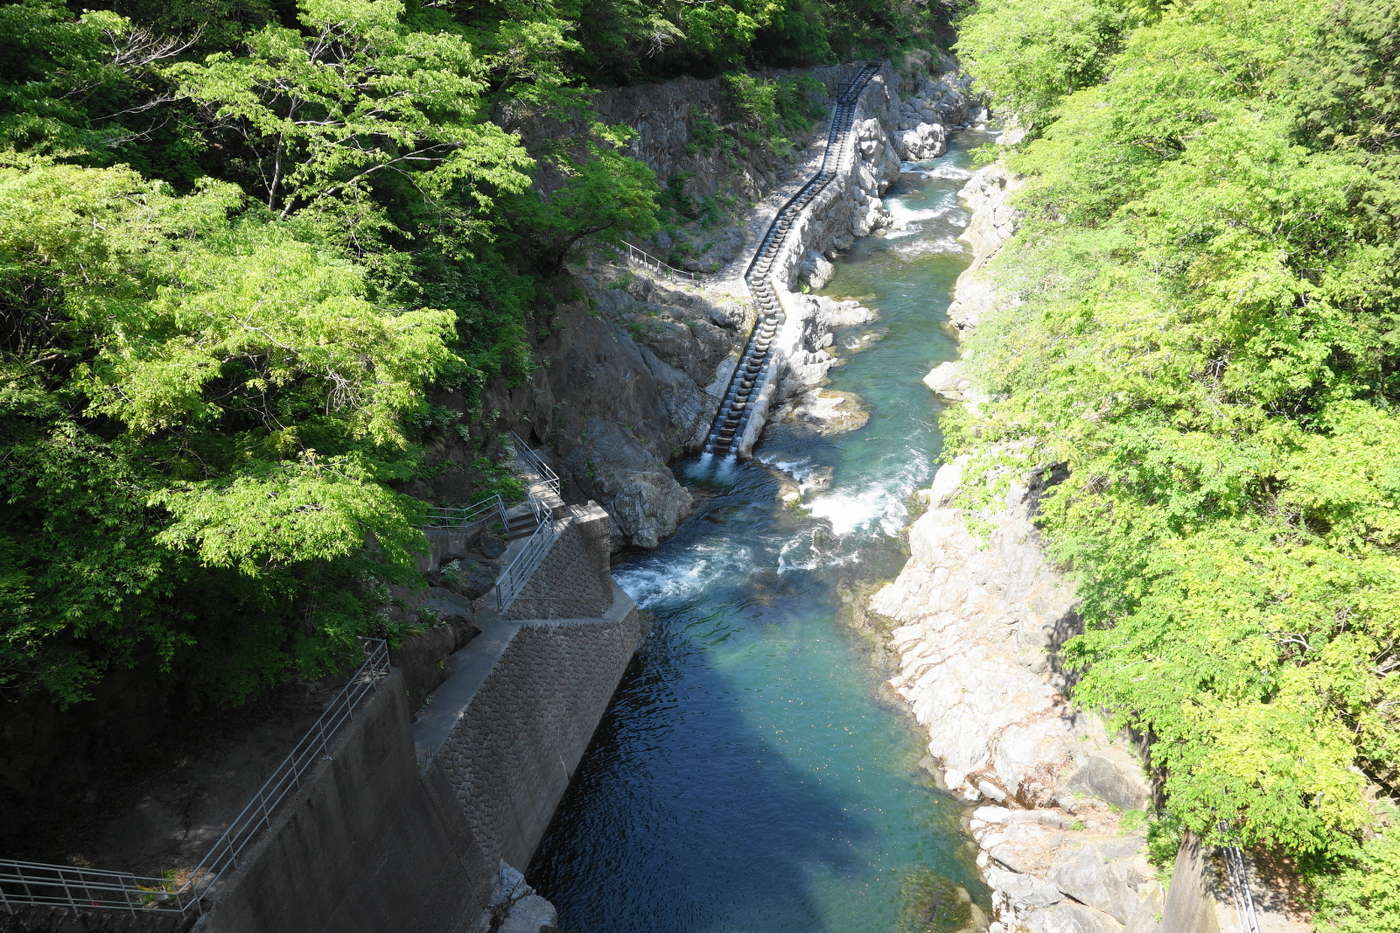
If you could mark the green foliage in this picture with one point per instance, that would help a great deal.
(1362, 898)
(1028, 54)
(768, 111)
(244, 242)
(322, 112)
(603, 196)
(1206, 346)
(198, 386)
(622, 40)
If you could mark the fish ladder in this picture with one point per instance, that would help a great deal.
(755, 366)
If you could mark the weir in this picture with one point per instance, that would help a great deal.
(758, 364)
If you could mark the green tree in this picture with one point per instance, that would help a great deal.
(187, 384)
(324, 114)
(1205, 349)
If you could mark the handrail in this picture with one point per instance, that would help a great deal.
(77, 889)
(460, 517)
(1237, 879)
(522, 568)
(641, 257)
(535, 462)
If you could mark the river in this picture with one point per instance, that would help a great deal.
(748, 775)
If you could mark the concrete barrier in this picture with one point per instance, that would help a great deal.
(367, 845)
(404, 829)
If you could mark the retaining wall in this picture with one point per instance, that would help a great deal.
(404, 829)
(366, 846)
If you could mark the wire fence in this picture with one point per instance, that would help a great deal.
(36, 884)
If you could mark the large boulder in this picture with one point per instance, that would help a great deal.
(925, 141)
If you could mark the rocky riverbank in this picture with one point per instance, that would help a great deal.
(633, 364)
(979, 622)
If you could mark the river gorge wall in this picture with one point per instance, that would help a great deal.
(979, 618)
(632, 364)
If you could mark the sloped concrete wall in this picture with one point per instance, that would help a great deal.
(405, 828)
(365, 846)
(507, 733)
(1192, 899)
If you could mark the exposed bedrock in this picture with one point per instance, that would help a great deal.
(632, 366)
(980, 618)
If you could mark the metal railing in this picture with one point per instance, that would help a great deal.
(523, 566)
(642, 258)
(535, 463)
(35, 884)
(454, 517)
(1237, 876)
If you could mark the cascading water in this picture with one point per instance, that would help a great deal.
(748, 775)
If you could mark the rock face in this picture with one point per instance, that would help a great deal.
(632, 370)
(979, 624)
(622, 388)
(925, 141)
(987, 195)
(515, 907)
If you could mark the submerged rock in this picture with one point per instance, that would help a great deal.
(827, 411)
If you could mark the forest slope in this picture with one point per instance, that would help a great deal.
(244, 247)
(1204, 340)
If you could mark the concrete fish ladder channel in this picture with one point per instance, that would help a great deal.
(745, 401)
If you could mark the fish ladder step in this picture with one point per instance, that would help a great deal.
(733, 414)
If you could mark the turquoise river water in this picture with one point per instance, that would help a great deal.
(748, 775)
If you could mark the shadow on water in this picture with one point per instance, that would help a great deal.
(707, 825)
(743, 778)
(745, 827)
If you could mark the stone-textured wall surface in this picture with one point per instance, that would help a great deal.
(412, 828)
(364, 846)
(574, 581)
(507, 744)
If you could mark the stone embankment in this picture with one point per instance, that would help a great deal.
(979, 622)
(423, 813)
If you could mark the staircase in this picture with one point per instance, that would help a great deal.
(520, 523)
(756, 362)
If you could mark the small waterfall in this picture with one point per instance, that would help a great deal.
(756, 364)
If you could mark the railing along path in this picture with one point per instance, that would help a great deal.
(640, 257)
(36, 884)
(1237, 879)
(25, 885)
(755, 364)
(543, 532)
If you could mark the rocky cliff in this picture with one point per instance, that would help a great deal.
(979, 622)
(632, 365)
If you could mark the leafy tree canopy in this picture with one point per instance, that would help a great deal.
(1207, 340)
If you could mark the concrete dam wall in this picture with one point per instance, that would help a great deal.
(405, 828)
